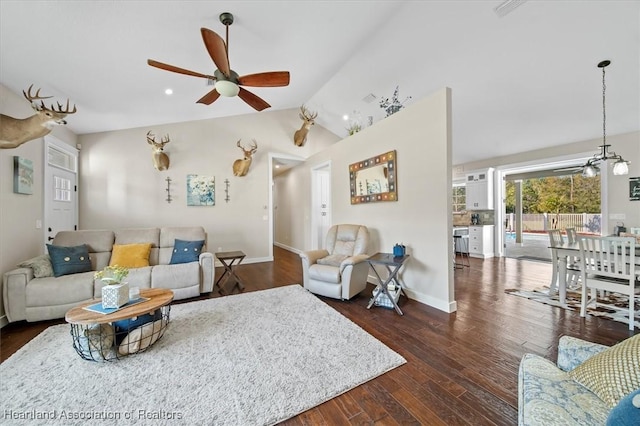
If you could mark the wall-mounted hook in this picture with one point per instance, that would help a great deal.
(226, 190)
(168, 179)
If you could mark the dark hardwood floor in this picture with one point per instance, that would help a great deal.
(461, 368)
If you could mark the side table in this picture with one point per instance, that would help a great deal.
(227, 258)
(393, 265)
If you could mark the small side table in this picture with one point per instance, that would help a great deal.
(393, 265)
(227, 258)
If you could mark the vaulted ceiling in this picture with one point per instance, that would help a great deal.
(521, 81)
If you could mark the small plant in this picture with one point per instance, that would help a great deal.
(394, 105)
(112, 274)
(354, 128)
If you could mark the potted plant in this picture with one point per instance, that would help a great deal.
(116, 292)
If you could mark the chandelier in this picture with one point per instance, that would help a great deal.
(620, 166)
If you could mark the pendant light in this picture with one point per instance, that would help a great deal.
(620, 167)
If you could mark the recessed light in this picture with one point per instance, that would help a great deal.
(345, 117)
(168, 92)
(277, 166)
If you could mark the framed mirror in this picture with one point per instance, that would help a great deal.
(374, 179)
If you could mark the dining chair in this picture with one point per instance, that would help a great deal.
(572, 262)
(609, 263)
(555, 240)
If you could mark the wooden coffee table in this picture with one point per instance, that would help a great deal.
(90, 329)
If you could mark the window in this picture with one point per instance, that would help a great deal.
(459, 198)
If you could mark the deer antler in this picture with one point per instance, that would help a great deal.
(37, 96)
(254, 146)
(66, 110)
(305, 115)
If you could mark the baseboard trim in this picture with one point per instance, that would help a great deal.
(288, 248)
(448, 307)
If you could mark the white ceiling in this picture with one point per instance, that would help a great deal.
(523, 81)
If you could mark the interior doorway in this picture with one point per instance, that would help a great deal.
(60, 188)
(320, 204)
(278, 164)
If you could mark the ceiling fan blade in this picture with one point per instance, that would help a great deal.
(209, 98)
(254, 101)
(172, 68)
(217, 50)
(265, 79)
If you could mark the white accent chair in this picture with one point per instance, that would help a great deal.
(608, 263)
(341, 270)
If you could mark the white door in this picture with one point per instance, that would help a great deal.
(321, 205)
(60, 188)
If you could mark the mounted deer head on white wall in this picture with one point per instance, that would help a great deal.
(160, 159)
(16, 131)
(300, 136)
(241, 166)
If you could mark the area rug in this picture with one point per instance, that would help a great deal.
(248, 359)
(573, 303)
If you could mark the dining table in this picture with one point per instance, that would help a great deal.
(561, 254)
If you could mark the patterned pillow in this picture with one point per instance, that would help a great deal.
(613, 373)
(130, 255)
(186, 251)
(332, 259)
(69, 260)
(41, 266)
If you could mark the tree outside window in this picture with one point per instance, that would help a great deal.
(459, 198)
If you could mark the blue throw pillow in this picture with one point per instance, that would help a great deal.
(627, 412)
(69, 260)
(186, 251)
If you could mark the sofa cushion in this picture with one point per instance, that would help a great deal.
(613, 373)
(326, 273)
(41, 266)
(549, 396)
(130, 255)
(186, 251)
(51, 291)
(99, 243)
(69, 260)
(141, 235)
(332, 260)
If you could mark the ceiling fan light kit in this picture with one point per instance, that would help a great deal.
(226, 81)
(620, 166)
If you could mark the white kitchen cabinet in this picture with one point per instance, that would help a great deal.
(479, 190)
(481, 241)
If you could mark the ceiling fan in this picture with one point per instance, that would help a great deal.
(226, 81)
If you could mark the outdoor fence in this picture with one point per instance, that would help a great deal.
(540, 222)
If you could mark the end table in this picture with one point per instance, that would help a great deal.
(227, 258)
(393, 265)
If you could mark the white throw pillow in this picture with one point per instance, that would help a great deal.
(142, 337)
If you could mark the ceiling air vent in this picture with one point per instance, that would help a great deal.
(507, 6)
(369, 98)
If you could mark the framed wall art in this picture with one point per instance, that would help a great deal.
(634, 188)
(374, 179)
(22, 175)
(201, 190)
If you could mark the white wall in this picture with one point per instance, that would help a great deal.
(120, 188)
(615, 196)
(421, 218)
(19, 238)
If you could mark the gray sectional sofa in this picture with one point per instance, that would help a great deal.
(36, 299)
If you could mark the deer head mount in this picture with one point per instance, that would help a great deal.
(300, 136)
(160, 159)
(241, 166)
(16, 131)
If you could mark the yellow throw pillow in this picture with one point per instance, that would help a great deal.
(130, 255)
(613, 373)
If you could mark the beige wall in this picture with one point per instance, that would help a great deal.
(120, 188)
(421, 218)
(616, 194)
(19, 238)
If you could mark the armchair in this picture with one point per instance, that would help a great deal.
(340, 271)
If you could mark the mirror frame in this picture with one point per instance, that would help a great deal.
(390, 159)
